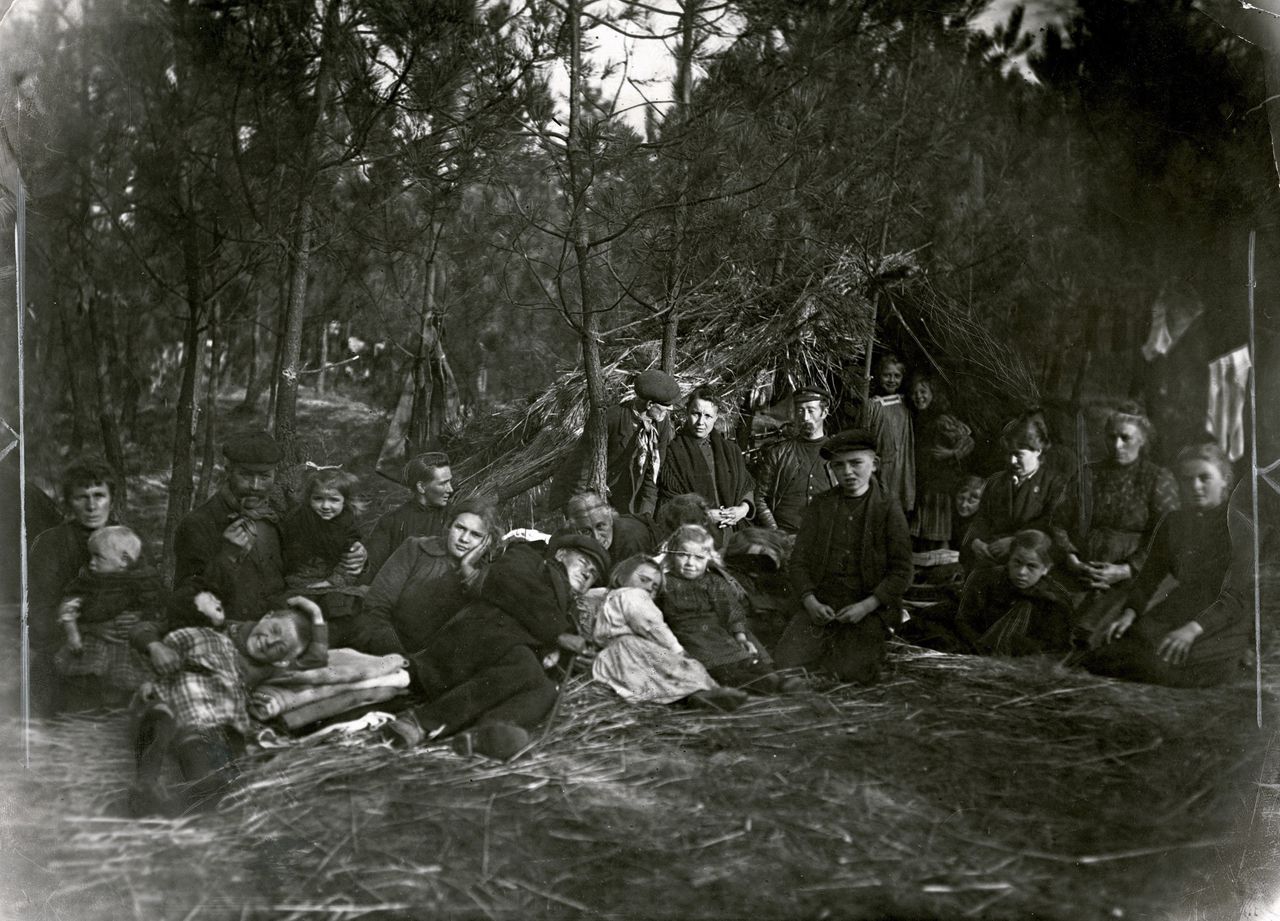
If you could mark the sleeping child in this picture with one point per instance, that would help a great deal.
(640, 657)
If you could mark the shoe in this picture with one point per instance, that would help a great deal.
(792, 685)
(150, 799)
(500, 741)
(403, 732)
(721, 700)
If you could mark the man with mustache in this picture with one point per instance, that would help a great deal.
(230, 545)
(792, 472)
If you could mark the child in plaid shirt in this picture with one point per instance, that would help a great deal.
(198, 705)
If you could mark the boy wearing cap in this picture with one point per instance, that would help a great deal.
(850, 567)
(431, 480)
(484, 672)
(792, 472)
(637, 435)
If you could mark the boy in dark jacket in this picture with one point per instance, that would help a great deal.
(484, 674)
(850, 566)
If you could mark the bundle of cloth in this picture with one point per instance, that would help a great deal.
(350, 680)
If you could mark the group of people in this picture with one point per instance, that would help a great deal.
(662, 581)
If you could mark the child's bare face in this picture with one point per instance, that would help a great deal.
(690, 561)
(1025, 568)
(1024, 461)
(967, 501)
(890, 377)
(107, 560)
(327, 503)
(853, 470)
(645, 577)
(273, 639)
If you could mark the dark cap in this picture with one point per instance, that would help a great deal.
(810, 395)
(657, 387)
(848, 440)
(253, 448)
(583, 544)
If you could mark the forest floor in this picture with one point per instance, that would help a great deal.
(958, 788)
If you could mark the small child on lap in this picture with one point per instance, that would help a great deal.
(315, 537)
(706, 616)
(197, 705)
(116, 590)
(850, 567)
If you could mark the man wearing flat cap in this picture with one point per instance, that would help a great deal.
(485, 674)
(638, 433)
(431, 480)
(230, 545)
(792, 472)
(850, 567)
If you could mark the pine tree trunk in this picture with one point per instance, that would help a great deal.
(324, 356)
(184, 419)
(211, 404)
(253, 379)
(99, 330)
(78, 408)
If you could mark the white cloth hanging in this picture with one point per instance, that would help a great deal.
(1228, 383)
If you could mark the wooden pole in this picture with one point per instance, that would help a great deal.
(1253, 473)
(20, 264)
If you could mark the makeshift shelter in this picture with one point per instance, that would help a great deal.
(756, 342)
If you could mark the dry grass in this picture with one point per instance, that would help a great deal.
(959, 788)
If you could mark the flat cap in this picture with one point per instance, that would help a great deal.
(567, 540)
(810, 395)
(257, 448)
(847, 440)
(657, 386)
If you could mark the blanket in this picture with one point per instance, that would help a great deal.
(270, 700)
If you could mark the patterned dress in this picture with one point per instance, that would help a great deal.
(1112, 520)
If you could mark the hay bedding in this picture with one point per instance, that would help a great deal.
(959, 788)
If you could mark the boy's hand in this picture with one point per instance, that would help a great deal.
(352, 562)
(1119, 626)
(163, 659)
(308, 607)
(1177, 643)
(818, 612)
(122, 624)
(853, 613)
(571, 642)
(748, 646)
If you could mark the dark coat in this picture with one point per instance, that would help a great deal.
(106, 596)
(57, 556)
(990, 596)
(685, 471)
(248, 583)
(397, 526)
(789, 479)
(419, 590)
(1005, 511)
(312, 546)
(525, 601)
(886, 546)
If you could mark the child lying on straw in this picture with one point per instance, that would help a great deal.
(197, 707)
(640, 658)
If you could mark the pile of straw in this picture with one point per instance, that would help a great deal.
(960, 787)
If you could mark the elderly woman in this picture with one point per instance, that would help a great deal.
(429, 579)
(57, 557)
(701, 460)
(1104, 525)
(1195, 637)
